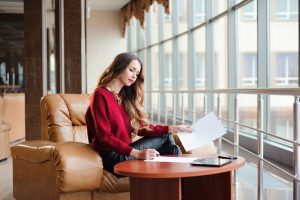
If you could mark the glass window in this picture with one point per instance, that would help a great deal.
(218, 6)
(284, 40)
(199, 8)
(182, 15)
(199, 70)
(168, 68)
(133, 26)
(248, 70)
(249, 11)
(154, 22)
(281, 117)
(287, 69)
(21, 75)
(248, 112)
(246, 49)
(3, 72)
(220, 66)
(183, 62)
(143, 35)
(154, 67)
(287, 9)
(167, 22)
(200, 58)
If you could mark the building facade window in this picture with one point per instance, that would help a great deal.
(249, 11)
(287, 69)
(199, 70)
(249, 70)
(287, 9)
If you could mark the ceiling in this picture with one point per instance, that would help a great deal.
(107, 4)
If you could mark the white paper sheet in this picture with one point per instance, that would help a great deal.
(172, 159)
(205, 131)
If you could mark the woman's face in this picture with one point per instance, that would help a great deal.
(129, 75)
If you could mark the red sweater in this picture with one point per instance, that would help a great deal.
(109, 127)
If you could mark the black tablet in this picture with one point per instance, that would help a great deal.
(214, 162)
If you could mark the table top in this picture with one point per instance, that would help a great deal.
(142, 169)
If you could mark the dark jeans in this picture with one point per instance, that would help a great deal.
(164, 144)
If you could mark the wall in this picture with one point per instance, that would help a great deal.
(104, 42)
(14, 114)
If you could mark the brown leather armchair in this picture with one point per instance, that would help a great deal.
(62, 165)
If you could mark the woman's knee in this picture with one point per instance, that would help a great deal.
(176, 150)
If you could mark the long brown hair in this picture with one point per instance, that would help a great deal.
(133, 95)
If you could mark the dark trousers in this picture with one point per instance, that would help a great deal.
(164, 144)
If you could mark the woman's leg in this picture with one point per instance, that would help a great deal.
(164, 144)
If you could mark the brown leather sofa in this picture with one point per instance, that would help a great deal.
(62, 165)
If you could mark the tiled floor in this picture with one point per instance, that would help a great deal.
(6, 180)
(276, 186)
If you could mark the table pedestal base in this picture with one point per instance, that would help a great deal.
(216, 186)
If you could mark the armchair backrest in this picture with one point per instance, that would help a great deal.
(63, 117)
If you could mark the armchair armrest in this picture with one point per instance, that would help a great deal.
(37, 151)
(78, 167)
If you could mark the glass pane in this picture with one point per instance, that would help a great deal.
(249, 11)
(168, 69)
(199, 11)
(284, 39)
(247, 48)
(248, 70)
(182, 15)
(183, 63)
(199, 106)
(167, 22)
(248, 113)
(293, 6)
(281, 117)
(133, 28)
(154, 22)
(143, 57)
(143, 33)
(199, 58)
(223, 107)
(220, 53)
(277, 185)
(154, 67)
(218, 6)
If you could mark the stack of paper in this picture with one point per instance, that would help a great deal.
(205, 131)
(173, 159)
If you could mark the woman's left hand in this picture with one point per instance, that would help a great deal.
(180, 128)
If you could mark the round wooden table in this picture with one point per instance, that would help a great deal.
(170, 180)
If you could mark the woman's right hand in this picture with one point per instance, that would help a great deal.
(146, 154)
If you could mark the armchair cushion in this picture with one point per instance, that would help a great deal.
(112, 183)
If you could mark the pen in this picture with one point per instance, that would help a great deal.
(143, 146)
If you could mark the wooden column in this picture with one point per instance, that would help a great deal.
(33, 67)
(73, 18)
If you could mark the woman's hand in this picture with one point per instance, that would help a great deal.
(146, 154)
(179, 128)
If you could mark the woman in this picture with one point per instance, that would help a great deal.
(116, 114)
